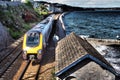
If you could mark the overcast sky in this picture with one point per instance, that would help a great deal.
(88, 3)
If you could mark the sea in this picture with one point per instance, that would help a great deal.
(97, 24)
(94, 24)
(87, 3)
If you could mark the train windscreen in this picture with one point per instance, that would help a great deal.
(32, 39)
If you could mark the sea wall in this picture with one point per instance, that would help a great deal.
(60, 29)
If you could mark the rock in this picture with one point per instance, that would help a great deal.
(5, 38)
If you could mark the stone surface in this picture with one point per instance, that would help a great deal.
(5, 38)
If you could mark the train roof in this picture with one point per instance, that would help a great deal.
(40, 26)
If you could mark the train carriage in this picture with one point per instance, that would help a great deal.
(35, 40)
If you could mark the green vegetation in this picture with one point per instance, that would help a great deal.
(41, 9)
(27, 26)
(15, 34)
(12, 18)
(28, 3)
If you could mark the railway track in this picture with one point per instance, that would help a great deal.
(10, 56)
(9, 53)
(13, 58)
(11, 48)
(8, 61)
(30, 71)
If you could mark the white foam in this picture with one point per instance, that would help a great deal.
(101, 49)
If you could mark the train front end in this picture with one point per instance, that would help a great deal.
(32, 46)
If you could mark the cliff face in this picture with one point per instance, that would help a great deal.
(15, 20)
(5, 38)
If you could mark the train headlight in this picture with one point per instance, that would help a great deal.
(39, 51)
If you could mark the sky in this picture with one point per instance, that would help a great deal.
(87, 3)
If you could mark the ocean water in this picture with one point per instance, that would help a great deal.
(87, 3)
(99, 24)
(111, 54)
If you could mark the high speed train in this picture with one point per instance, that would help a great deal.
(36, 39)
